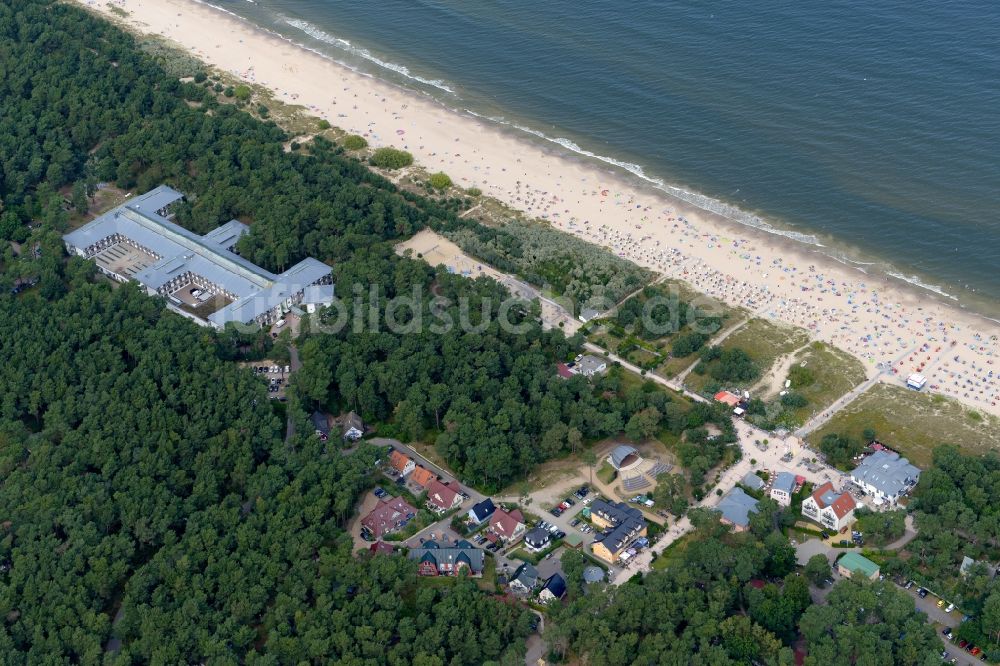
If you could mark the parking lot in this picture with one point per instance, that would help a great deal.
(275, 374)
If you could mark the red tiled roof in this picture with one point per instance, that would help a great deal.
(564, 371)
(843, 505)
(818, 493)
(441, 495)
(387, 516)
(398, 460)
(382, 547)
(422, 476)
(504, 523)
(727, 398)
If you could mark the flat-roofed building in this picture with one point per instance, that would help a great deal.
(199, 276)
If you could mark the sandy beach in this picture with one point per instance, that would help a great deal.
(880, 321)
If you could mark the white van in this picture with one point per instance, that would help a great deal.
(279, 323)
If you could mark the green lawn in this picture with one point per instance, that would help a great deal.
(914, 423)
(766, 341)
(672, 553)
(835, 373)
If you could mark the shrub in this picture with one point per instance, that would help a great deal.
(229, 92)
(324, 124)
(440, 181)
(242, 93)
(391, 158)
(217, 87)
(801, 377)
(199, 77)
(474, 191)
(354, 142)
(263, 111)
(794, 400)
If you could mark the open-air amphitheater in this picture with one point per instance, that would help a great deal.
(634, 471)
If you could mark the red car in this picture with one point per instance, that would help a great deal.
(962, 643)
(975, 651)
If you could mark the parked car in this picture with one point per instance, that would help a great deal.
(922, 593)
(574, 522)
(556, 511)
(962, 643)
(569, 501)
(908, 585)
(940, 603)
(950, 608)
(946, 631)
(380, 493)
(825, 534)
(560, 535)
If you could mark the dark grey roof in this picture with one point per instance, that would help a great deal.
(628, 521)
(556, 585)
(321, 422)
(737, 506)
(537, 537)
(462, 551)
(593, 574)
(784, 481)
(588, 365)
(484, 509)
(526, 575)
(752, 481)
(887, 472)
(352, 420)
(620, 453)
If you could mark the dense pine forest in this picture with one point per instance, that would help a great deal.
(150, 500)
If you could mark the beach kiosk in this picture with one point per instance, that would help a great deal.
(916, 381)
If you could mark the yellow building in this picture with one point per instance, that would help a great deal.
(622, 524)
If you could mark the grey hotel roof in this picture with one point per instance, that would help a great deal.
(784, 481)
(886, 471)
(737, 506)
(179, 251)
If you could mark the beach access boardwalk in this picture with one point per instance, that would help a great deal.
(843, 401)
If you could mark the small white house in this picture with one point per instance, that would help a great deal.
(588, 366)
(353, 428)
(916, 381)
(783, 487)
(829, 509)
